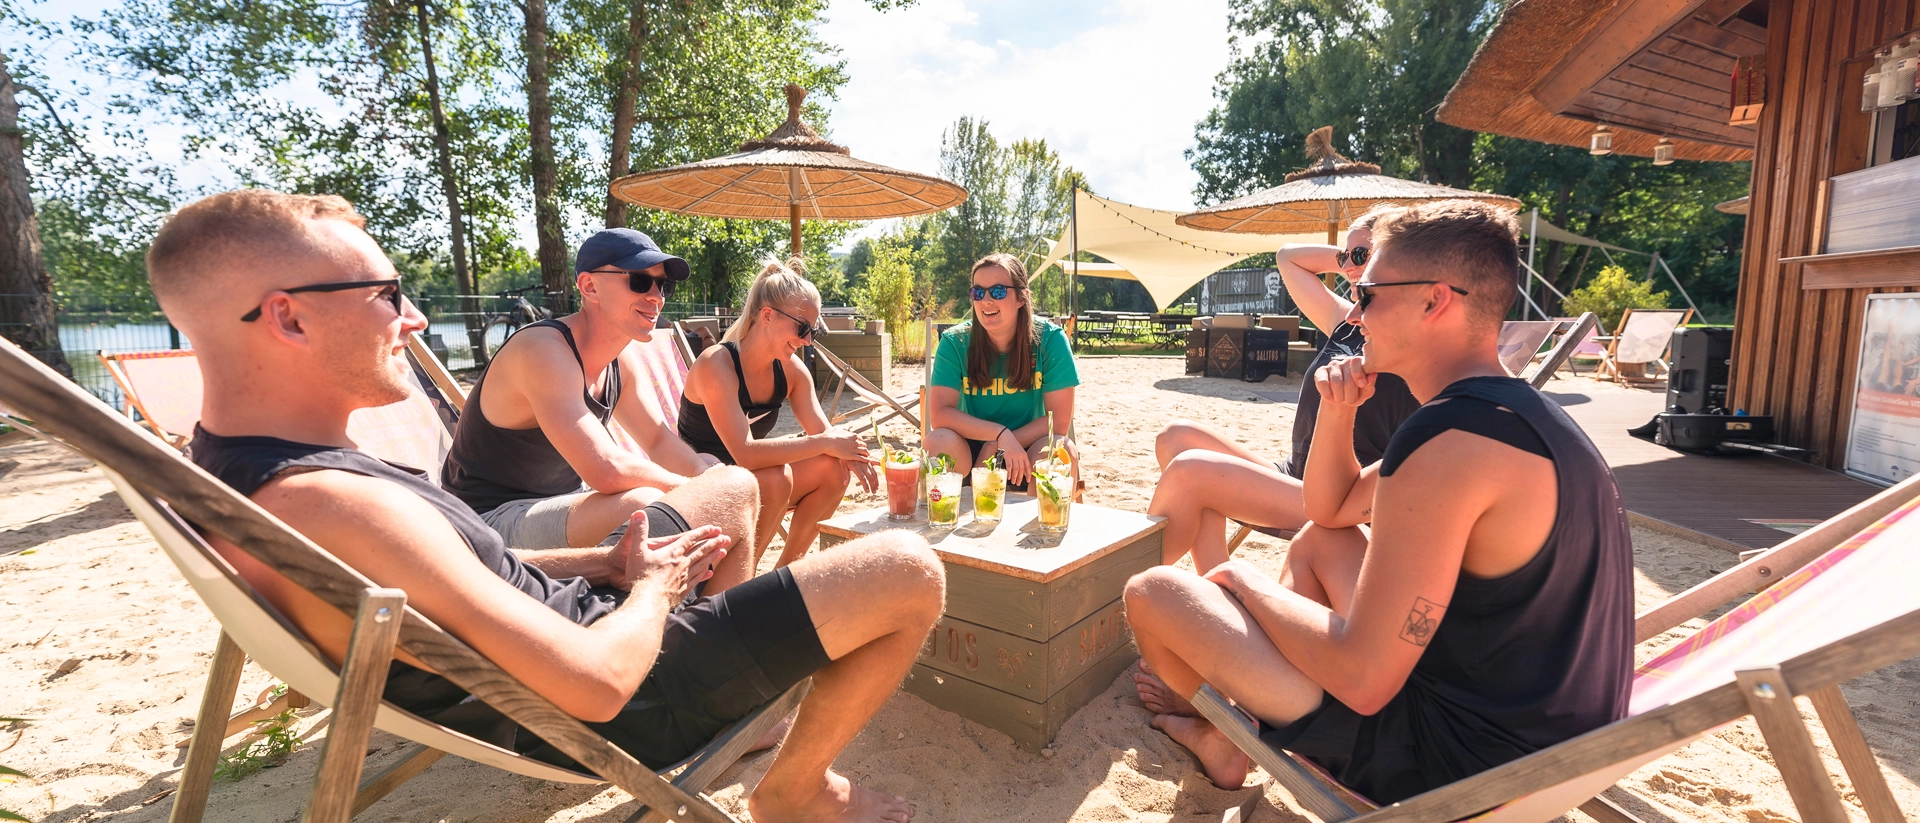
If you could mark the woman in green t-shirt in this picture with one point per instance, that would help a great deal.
(996, 378)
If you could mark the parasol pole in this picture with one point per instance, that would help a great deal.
(793, 222)
(1073, 283)
(1533, 239)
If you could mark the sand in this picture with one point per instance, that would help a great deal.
(106, 649)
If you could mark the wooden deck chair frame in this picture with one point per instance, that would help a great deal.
(113, 361)
(1816, 674)
(1571, 332)
(157, 483)
(875, 397)
(1611, 364)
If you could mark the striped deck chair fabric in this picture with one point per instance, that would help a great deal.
(1856, 590)
(162, 386)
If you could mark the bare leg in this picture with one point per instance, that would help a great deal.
(724, 496)
(776, 493)
(1200, 489)
(1323, 564)
(872, 601)
(1187, 435)
(819, 484)
(951, 444)
(1190, 631)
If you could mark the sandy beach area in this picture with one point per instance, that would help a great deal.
(105, 649)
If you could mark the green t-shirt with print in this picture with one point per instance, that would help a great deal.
(999, 403)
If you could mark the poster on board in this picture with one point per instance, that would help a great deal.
(1883, 441)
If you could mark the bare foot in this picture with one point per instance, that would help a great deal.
(774, 735)
(1220, 760)
(1159, 699)
(834, 800)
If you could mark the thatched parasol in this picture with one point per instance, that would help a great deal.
(1327, 194)
(792, 173)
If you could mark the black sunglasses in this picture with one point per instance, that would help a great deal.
(641, 283)
(807, 330)
(998, 290)
(344, 285)
(1364, 291)
(1359, 256)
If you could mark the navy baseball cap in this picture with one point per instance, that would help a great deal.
(627, 249)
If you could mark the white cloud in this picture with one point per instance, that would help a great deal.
(1116, 88)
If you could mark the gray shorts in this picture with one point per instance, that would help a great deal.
(541, 522)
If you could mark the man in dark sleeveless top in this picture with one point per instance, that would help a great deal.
(532, 454)
(1493, 614)
(298, 320)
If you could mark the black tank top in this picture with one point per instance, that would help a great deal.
(247, 463)
(489, 466)
(1373, 425)
(696, 425)
(1544, 653)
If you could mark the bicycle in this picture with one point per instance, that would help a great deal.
(520, 313)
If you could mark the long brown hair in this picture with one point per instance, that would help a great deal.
(1020, 356)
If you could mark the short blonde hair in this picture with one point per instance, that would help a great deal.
(213, 233)
(1466, 243)
(779, 285)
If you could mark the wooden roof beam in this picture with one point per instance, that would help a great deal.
(1634, 24)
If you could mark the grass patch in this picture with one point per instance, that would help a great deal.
(277, 742)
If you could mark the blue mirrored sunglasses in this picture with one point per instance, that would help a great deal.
(998, 291)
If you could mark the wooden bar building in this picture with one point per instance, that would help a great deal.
(1834, 211)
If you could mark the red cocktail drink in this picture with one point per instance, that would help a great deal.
(903, 487)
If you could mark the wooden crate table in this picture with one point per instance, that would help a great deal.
(1034, 626)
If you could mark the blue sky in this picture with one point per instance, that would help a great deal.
(1115, 87)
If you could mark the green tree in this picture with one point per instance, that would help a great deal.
(1377, 70)
(888, 290)
(1611, 293)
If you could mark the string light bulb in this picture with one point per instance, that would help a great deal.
(1663, 152)
(1602, 141)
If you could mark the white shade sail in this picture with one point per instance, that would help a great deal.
(1148, 246)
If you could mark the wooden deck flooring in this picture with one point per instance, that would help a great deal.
(1714, 496)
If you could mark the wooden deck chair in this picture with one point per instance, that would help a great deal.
(166, 491)
(1520, 340)
(878, 402)
(1572, 332)
(162, 386)
(1643, 337)
(1836, 602)
(1593, 347)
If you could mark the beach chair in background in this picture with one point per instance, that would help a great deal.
(1520, 340)
(162, 387)
(165, 491)
(1643, 337)
(1568, 335)
(1590, 347)
(878, 402)
(1835, 602)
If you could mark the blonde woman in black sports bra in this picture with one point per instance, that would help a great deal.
(732, 401)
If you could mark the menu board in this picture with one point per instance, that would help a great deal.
(1883, 440)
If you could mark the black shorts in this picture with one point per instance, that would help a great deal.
(1412, 745)
(721, 657)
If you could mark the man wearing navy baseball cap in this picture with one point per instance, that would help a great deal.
(533, 455)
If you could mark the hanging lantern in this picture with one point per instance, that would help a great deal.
(1602, 141)
(1663, 152)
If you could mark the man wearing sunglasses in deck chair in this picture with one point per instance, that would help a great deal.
(1486, 614)
(532, 454)
(298, 322)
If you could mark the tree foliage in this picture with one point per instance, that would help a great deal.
(1610, 293)
(1377, 70)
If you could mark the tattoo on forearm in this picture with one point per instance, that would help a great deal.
(1422, 620)
(1367, 513)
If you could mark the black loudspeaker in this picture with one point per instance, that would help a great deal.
(1700, 366)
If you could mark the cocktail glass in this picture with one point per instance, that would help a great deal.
(903, 489)
(1056, 500)
(989, 494)
(943, 498)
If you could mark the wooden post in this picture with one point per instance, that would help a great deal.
(370, 651)
(416, 760)
(209, 732)
(793, 227)
(1868, 781)
(1792, 746)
